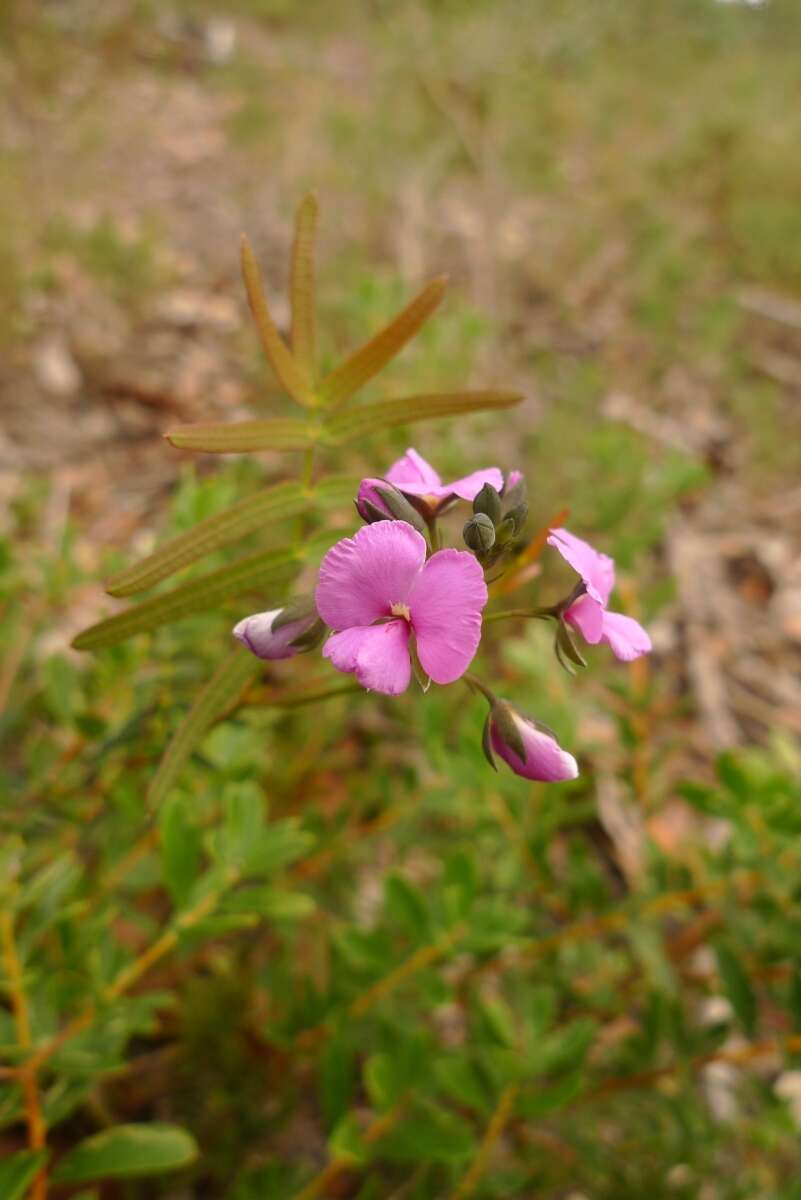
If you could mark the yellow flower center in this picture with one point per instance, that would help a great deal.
(401, 610)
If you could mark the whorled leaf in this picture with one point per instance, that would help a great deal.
(360, 422)
(218, 696)
(196, 595)
(223, 528)
(302, 288)
(370, 358)
(289, 374)
(238, 437)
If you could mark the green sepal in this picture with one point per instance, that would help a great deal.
(488, 502)
(486, 742)
(566, 650)
(400, 507)
(503, 716)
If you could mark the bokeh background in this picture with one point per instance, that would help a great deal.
(613, 189)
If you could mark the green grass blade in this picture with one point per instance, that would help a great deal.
(375, 354)
(256, 570)
(238, 437)
(286, 369)
(221, 529)
(302, 288)
(218, 696)
(386, 414)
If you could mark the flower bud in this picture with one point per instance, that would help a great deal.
(488, 501)
(282, 632)
(479, 534)
(529, 748)
(378, 500)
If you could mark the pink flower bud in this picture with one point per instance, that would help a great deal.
(530, 749)
(369, 502)
(282, 632)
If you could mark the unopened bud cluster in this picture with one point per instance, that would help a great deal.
(498, 518)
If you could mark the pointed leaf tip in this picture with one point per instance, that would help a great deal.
(286, 369)
(374, 355)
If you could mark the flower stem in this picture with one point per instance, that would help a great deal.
(34, 1117)
(475, 685)
(435, 537)
(509, 614)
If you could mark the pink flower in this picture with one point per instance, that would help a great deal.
(413, 476)
(588, 613)
(530, 749)
(282, 632)
(376, 588)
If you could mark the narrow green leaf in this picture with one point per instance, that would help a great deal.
(301, 288)
(369, 359)
(737, 987)
(218, 696)
(386, 414)
(181, 846)
(241, 437)
(286, 369)
(224, 528)
(241, 519)
(17, 1173)
(267, 567)
(128, 1150)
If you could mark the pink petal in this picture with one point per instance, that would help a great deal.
(545, 759)
(368, 491)
(626, 637)
(363, 576)
(469, 486)
(414, 475)
(512, 480)
(596, 569)
(587, 616)
(446, 602)
(377, 654)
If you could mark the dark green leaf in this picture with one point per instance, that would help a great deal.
(128, 1150)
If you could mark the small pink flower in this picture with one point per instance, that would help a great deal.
(527, 747)
(377, 588)
(413, 476)
(588, 613)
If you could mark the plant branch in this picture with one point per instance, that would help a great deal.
(498, 1122)
(26, 1074)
